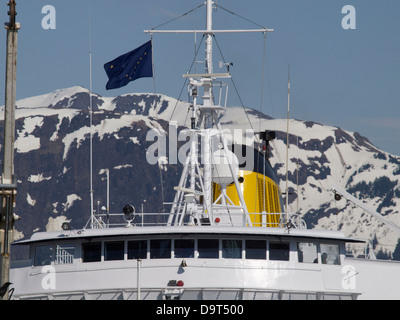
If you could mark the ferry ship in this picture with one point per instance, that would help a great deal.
(227, 236)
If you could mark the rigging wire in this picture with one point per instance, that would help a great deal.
(196, 53)
(184, 83)
(172, 114)
(234, 85)
(264, 54)
(155, 105)
(176, 18)
(259, 125)
(233, 82)
(262, 81)
(239, 16)
(180, 94)
(152, 65)
(244, 109)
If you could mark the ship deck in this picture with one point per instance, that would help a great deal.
(189, 230)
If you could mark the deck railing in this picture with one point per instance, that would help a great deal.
(227, 218)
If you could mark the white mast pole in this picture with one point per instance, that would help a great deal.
(207, 120)
(108, 192)
(208, 59)
(91, 123)
(287, 150)
(209, 68)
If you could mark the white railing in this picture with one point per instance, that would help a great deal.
(219, 218)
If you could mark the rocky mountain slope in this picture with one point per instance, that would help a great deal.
(52, 163)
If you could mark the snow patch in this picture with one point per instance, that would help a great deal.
(54, 224)
(48, 99)
(123, 166)
(26, 144)
(55, 204)
(25, 141)
(18, 235)
(106, 127)
(70, 201)
(135, 140)
(36, 178)
(62, 114)
(30, 200)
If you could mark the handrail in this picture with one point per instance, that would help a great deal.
(145, 219)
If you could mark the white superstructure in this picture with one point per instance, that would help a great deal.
(198, 262)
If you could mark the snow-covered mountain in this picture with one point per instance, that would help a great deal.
(52, 163)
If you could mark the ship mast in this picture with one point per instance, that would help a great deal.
(206, 127)
(207, 118)
(208, 51)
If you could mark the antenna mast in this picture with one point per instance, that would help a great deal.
(287, 149)
(91, 123)
(8, 185)
(206, 115)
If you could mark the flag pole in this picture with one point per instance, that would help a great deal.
(152, 66)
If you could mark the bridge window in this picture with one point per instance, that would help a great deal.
(184, 248)
(44, 255)
(330, 254)
(232, 249)
(256, 249)
(91, 252)
(307, 252)
(114, 250)
(137, 249)
(279, 251)
(208, 248)
(160, 249)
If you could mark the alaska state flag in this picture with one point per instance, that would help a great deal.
(130, 66)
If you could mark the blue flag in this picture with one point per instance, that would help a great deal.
(130, 66)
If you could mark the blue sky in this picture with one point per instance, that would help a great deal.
(345, 78)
